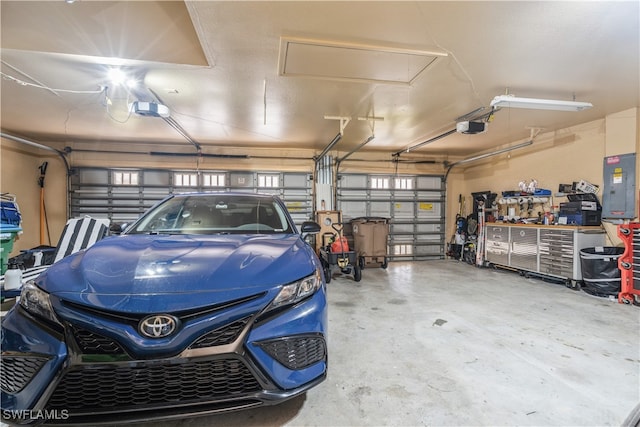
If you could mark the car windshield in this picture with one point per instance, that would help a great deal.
(214, 214)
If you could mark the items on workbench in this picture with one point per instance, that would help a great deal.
(581, 209)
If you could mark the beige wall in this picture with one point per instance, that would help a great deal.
(19, 176)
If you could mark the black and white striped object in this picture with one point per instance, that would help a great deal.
(80, 233)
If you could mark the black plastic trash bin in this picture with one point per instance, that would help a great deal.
(600, 272)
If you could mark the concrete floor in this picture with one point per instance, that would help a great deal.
(443, 343)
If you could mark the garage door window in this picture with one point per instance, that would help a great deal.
(125, 178)
(185, 179)
(404, 183)
(268, 181)
(213, 180)
(379, 183)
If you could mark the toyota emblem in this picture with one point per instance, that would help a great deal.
(158, 326)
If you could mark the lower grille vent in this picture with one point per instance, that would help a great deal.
(17, 371)
(296, 352)
(116, 388)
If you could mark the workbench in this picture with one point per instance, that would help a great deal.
(545, 250)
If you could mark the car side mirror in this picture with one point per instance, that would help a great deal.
(308, 228)
(116, 229)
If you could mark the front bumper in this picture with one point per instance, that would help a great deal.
(81, 376)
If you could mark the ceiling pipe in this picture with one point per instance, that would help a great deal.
(366, 141)
(37, 145)
(61, 154)
(484, 156)
(333, 142)
(344, 121)
(428, 141)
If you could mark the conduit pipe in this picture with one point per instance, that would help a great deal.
(333, 142)
(46, 148)
(484, 156)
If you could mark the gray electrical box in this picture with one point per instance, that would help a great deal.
(619, 195)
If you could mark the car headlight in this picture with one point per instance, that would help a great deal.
(297, 291)
(37, 302)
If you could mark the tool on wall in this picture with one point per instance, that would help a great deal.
(44, 222)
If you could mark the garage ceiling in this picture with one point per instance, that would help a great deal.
(288, 74)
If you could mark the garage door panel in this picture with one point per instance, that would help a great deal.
(158, 178)
(380, 209)
(429, 210)
(291, 180)
(404, 210)
(242, 180)
(353, 209)
(429, 182)
(88, 177)
(428, 228)
(353, 181)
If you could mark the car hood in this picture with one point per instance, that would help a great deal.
(189, 270)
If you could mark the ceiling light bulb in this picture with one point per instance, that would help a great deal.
(116, 75)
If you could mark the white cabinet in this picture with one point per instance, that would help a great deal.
(544, 250)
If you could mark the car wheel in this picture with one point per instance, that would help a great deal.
(361, 262)
(385, 263)
(357, 273)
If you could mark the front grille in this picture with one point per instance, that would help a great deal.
(92, 343)
(296, 352)
(221, 336)
(17, 371)
(119, 388)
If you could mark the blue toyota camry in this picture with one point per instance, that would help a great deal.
(209, 302)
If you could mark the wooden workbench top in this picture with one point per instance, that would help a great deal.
(556, 227)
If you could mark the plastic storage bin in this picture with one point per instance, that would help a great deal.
(9, 228)
(8, 235)
(600, 272)
(370, 235)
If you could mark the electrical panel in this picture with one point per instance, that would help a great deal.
(619, 195)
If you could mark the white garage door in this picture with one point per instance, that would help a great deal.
(124, 194)
(412, 203)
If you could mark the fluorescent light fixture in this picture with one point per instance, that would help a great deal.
(510, 101)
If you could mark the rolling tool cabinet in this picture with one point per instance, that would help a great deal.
(629, 263)
(544, 250)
